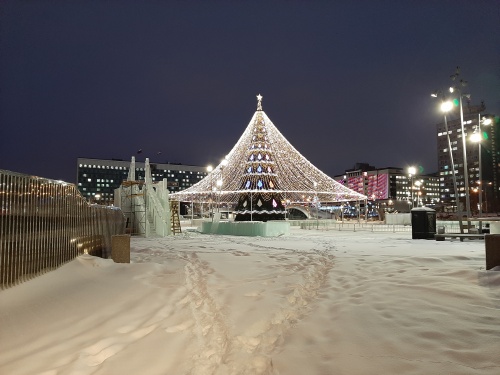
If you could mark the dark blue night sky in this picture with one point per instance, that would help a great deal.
(344, 81)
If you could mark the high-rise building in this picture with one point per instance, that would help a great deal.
(98, 178)
(476, 120)
(392, 186)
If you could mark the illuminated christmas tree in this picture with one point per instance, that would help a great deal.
(263, 173)
(259, 200)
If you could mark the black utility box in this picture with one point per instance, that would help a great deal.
(423, 223)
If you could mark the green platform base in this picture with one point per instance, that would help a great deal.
(247, 228)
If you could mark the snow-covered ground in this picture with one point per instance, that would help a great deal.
(309, 303)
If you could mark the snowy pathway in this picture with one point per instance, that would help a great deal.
(313, 302)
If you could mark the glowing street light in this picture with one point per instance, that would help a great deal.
(446, 106)
(476, 138)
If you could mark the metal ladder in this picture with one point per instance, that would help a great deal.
(174, 215)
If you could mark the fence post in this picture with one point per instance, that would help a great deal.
(492, 245)
(120, 248)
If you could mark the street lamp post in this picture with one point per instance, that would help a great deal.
(219, 183)
(466, 169)
(219, 187)
(478, 137)
(446, 106)
(418, 184)
(486, 197)
(316, 203)
(209, 170)
(411, 172)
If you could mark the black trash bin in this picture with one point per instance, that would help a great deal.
(423, 223)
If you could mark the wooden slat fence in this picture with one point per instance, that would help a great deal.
(45, 223)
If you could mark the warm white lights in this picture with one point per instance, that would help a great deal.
(412, 171)
(292, 174)
(446, 106)
(475, 137)
(486, 121)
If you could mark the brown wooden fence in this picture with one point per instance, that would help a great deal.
(45, 223)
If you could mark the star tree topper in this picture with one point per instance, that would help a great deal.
(259, 102)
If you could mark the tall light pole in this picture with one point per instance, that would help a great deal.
(219, 183)
(316, 203)
(219, 187)
(418, 184)
(411, 172)
(466, 169)
(209, 170)
(446, 106)
(478, 137)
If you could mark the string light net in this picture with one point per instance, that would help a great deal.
(284, 176)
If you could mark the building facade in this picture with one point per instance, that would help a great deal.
(486, 153)
(392, 186)
(98, 178)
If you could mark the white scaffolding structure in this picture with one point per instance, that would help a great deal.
(145, 204)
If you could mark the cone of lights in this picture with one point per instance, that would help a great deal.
(263, 163)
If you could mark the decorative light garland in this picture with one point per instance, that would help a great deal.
(290, 174)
